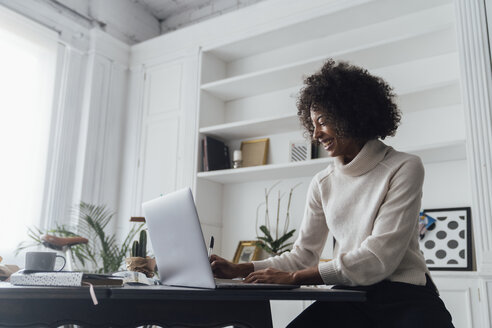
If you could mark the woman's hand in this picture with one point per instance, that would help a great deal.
(271, 276)
(309, 276)
(225, 269)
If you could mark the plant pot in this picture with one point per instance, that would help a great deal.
(140, 264)
(263, 255)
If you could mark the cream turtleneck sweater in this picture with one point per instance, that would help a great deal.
(371, 206)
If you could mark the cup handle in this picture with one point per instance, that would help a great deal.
(64, 262)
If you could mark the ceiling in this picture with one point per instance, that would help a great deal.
(163, 9)
(174, 14)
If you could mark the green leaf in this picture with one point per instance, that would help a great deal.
(265, 230)
(267, 249)
(286, 246)
(285, 237)
(264, 239)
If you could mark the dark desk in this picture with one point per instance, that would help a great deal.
(160, 305)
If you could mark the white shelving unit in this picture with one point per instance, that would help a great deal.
(249, 89)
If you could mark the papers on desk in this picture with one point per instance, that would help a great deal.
(135, 278)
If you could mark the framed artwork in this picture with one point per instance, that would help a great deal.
(299, 150)
(254, 152)
(447, 243)
(247, 251)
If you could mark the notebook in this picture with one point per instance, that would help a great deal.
(179, 247)
(62, 278)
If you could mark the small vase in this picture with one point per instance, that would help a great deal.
(263, 255)
(140, 264)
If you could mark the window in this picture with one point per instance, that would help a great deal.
(28, 54)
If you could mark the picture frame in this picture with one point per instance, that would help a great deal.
(247, 251)
(300, 150)
(447, 245)
(254, 152)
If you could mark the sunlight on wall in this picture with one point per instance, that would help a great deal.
(27, 66)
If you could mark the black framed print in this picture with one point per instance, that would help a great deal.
(447, 244)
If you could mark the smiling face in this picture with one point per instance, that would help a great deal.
(335, 145)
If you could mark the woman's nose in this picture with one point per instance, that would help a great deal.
(316, 133)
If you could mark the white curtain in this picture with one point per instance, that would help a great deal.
(28, 54)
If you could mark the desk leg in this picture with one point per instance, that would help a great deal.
(133, 313)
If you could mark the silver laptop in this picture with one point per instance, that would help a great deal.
(178, 244)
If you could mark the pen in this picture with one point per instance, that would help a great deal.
(211, 246)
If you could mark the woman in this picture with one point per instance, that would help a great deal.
(369, 198)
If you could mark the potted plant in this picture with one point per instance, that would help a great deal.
(102, 254)
(277, 242)
(138, 260)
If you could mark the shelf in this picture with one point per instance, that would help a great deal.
(442, 152)
(344, 16)
(405, 78)
(399, 39)
(267, 172)
(254, 128)
(423, 74)
(264, 81)
(449, 151)
(283, 123)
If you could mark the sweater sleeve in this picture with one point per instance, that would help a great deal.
(395, 225)
(313, 232)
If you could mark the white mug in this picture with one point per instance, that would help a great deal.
(42, 261)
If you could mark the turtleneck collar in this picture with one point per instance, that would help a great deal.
(369, 156)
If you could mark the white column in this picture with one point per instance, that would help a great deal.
(102, 122)
(60, 176)
(476, 91)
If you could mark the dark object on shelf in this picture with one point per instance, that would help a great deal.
(215, 154)
(314, 150)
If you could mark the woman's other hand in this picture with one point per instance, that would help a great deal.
(228, 270)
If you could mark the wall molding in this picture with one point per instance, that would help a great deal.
(476, 91)
(105, 45)
(64, 153)
(72, 32)
(103, 121)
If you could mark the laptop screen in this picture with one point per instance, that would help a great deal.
(177, 240)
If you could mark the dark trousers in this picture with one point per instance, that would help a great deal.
(389, 304)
